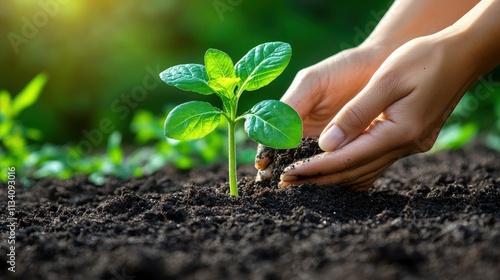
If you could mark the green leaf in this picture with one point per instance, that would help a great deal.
(191, 120)
(262, 64)
(5, 106)
(189, 77)
(54, 168)
(145, 125)
(224, 86)
(115, 152)
(33, 133)
(455, 136)
(29, 94)
(6, 121)
(274, 124)
(219, 64)
(5, 127)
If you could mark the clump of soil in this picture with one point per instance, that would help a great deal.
(428, 217)
(307, 148)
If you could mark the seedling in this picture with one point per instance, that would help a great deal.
(14, 137)
(270, 122)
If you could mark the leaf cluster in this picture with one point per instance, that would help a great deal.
(476, 117)
(14, 137)
(270, 122)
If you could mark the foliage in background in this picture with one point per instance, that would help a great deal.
(115, 45)
(13, 135)
(100, 51)
(476, 117)
(34, 161)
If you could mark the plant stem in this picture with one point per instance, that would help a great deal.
(233, 187)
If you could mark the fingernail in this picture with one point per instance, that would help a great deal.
(331, 139)
(283, 185)
(261, 163)
(287, 178)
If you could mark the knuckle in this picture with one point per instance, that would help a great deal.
(392, 82)
(306, 74)
(355, 116)
(311, 77)
(390, 78)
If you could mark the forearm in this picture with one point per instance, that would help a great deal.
(478, 35)
(409, 19)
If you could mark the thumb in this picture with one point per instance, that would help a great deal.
(357, 115)
(305, 88)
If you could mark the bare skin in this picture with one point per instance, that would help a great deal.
(389, 97)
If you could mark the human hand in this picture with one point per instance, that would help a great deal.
(400, 112)
(318, 92)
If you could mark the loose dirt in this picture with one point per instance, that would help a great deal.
(428, 217)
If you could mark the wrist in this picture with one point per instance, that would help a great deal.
(476, 37)
(465, 52)
(376, 52)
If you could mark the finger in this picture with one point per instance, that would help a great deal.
(382, 91)
(352, 178)
(358, 179)
(370, 153)
(305, 85)
(264, 157)
(265, 174)
(368, 147)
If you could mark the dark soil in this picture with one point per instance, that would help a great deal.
(428, 217)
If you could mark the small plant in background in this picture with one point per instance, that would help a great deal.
(270, 122)
(13, 135)
(183, 155)
(476, 117)
(154, 153)
(150, 136)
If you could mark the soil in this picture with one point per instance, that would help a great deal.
(428, 217)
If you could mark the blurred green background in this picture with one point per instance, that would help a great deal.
(103, 57)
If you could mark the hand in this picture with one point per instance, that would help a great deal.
(317, 93)
(399, 112)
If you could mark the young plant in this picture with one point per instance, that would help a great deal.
(271, 123)
(14, 137)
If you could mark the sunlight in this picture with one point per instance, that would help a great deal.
(41, 11)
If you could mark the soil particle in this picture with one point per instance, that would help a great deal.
(283, 158)
(428, 217)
